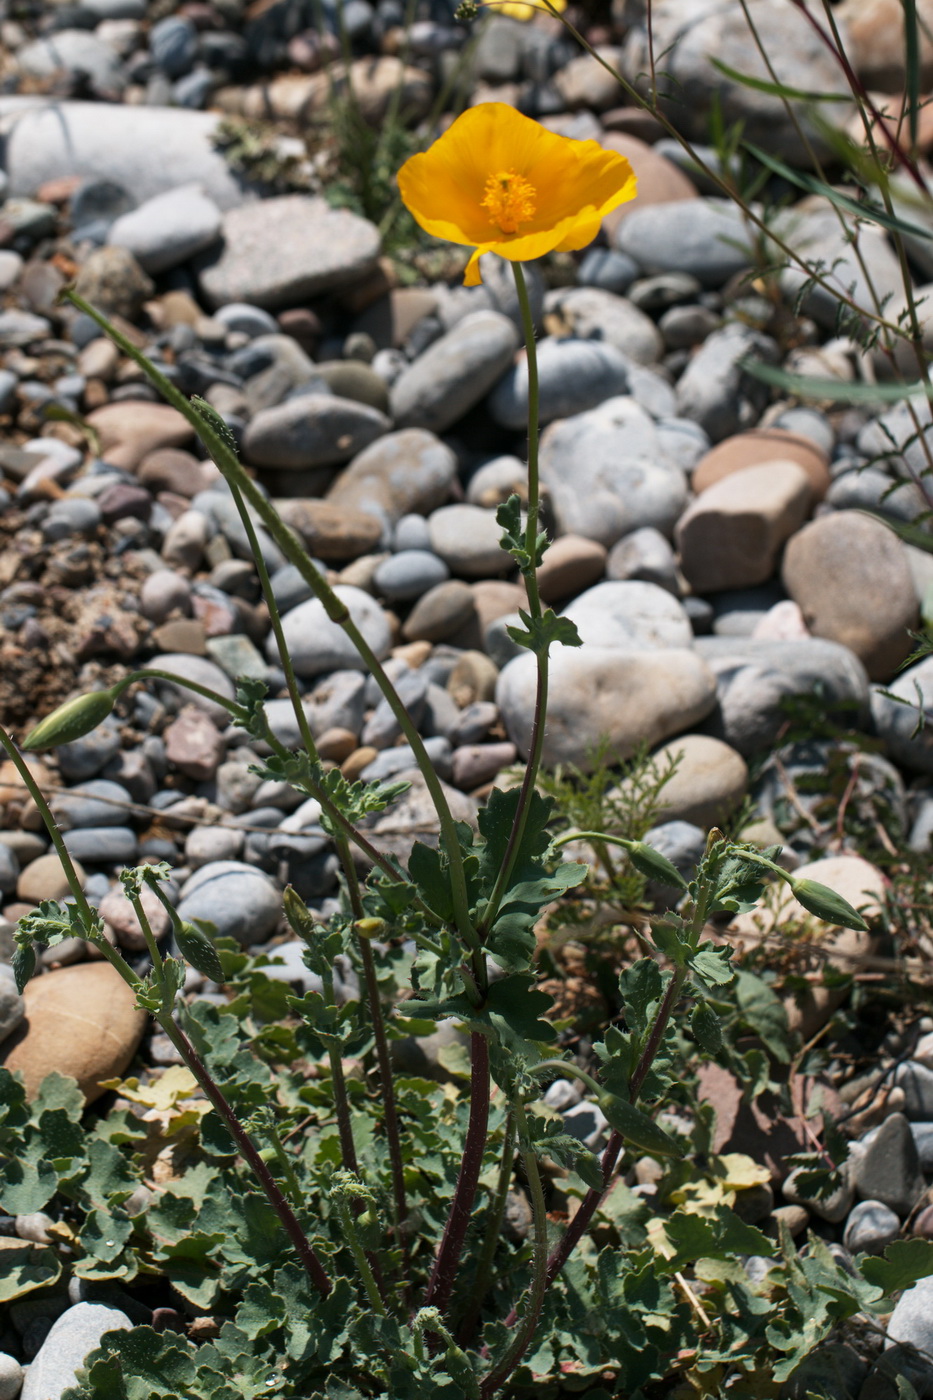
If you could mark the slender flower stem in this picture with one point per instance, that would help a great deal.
(151, 946)
(61, 850)
(540, 1278)
(285, 1163)
(362, 1260)
(491, 1237)
(447, 1262)
(386, 1082)
(275, 619)
(235, 710)
(341, 1098)
(209, 427)
(536, 740)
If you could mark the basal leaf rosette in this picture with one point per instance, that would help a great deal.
(502, 183)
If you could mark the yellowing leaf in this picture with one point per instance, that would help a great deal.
(164, 1093)
(702, 1196)
(737, 1172)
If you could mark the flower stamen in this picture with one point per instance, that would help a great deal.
(510, 200)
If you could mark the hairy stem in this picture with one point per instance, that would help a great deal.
(491, 1237)
(341, 1098)
(386, 1081)
(387, 1088)
(539, 1278)
(444, 1273)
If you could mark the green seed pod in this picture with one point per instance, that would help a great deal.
(299, 916)
(72, 720)
(827, 904)
(194, 944)
(657, 867)
(637, 1128)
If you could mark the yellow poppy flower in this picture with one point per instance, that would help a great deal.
(505, 184)
(524, 9)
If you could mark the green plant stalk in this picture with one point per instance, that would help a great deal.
(288, 1170)
(444, 1273)
(275, 620)
(341, 1098)
(360, 1257)
(540, 1278)
(568, 1067)
(151, 945)
(232, 471)
(230, 706)
(487, 1256)
(386, 1081)
(534, 607)
(346, 861)
(302, 1245)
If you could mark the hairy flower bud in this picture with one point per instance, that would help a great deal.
(299, 916)
(197, 948)
(650, 862)
(826, 904)
(637, 1128)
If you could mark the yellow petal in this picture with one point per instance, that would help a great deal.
(583, 232)
(472, 277)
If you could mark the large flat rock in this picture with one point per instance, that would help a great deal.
(147, 150)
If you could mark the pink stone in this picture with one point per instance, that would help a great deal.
(194, 744)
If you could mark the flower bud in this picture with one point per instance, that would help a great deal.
(299, 916)
(657, 867)
(71, 720)
(370, 928)
(826, 904)
(194, 944)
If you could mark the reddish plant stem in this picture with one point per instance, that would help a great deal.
(283, 1210)
(447, 1262)
(390, 1113)
(858, 87)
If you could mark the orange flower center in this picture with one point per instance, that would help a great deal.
(510, 200)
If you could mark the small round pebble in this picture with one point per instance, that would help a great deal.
(409, 574)
(11, 1377)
